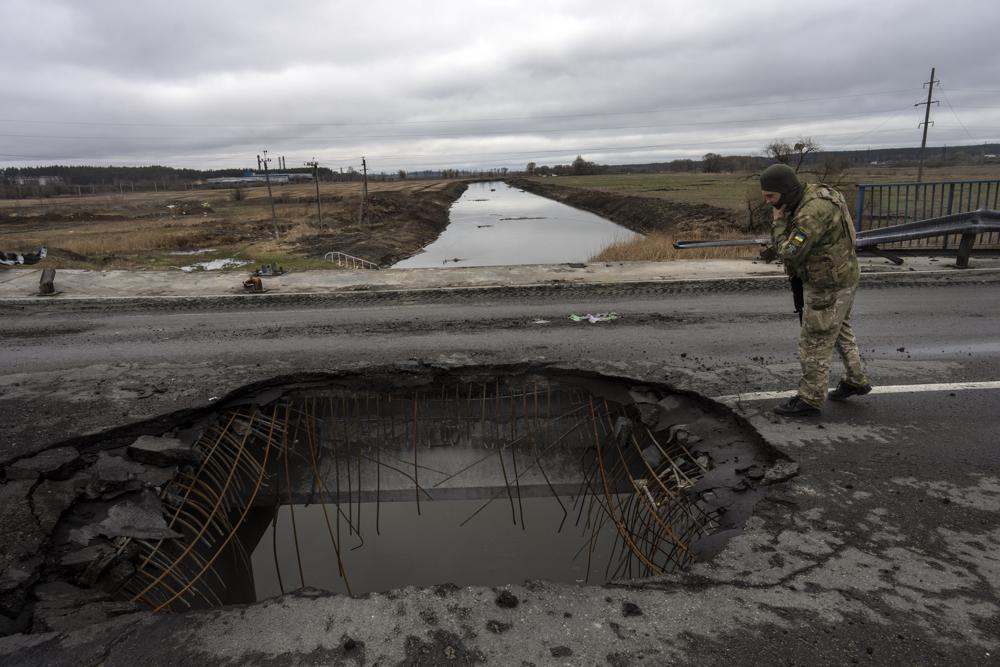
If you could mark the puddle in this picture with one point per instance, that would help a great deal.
(462, 542)
(494, 224)
(382, 479)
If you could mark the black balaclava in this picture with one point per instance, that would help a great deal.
(781, 178)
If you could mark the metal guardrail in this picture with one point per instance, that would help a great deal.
(881, 205)
(350, 261)
(968, 226)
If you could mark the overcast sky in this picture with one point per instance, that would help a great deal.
(479, 84)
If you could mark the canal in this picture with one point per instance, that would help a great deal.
(494, 224)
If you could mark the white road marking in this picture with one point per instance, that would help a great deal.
(887, 389)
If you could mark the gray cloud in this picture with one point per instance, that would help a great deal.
(483, 84)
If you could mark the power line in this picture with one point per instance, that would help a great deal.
(948, 102)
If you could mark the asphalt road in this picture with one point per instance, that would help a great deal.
(884, 550)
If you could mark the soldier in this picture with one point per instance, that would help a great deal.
(814, 237)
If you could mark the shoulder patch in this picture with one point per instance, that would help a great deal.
(797, 238)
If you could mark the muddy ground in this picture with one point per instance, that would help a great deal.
(640, 214)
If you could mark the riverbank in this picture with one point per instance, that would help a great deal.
(172, 229)
(643, 215)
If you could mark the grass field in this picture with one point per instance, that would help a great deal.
(146, 230)
(732, 191)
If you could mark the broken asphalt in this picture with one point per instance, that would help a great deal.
(883, 550)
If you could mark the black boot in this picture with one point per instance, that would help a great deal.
(796, 407)
(845, 390)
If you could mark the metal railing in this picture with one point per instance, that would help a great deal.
(342, 259)
(881, 205)
(968, 227)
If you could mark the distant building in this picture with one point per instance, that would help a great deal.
(251, 178)
(38, 180)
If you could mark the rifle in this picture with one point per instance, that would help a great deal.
(798, 293)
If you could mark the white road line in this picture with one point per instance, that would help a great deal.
(887, 389)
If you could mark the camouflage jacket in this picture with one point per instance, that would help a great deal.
(816, 243)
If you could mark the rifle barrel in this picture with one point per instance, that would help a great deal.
(719, 243)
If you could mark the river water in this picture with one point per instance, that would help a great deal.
(495, 224)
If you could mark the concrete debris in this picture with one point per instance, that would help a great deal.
(52, 462)
(22, 537)
(99, 551)
(652, 456)
(781, 471)
(18, 575)
(163, 452)
(63, 607)
(62, 594)
(111, 474)
(138, 515)
(50, 499)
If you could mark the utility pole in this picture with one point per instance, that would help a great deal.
(267, 179)
(364, 190)
(927, 121)
(258, 163)
(315, 165)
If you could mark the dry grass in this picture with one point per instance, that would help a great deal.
(113, 237)
(138, 230)
(731, 190)
(659, 247)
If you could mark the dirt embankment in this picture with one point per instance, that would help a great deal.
(133, 231)
(399, 224)
(640, 214)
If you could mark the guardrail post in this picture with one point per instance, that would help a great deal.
(47, 283)
(964, 250)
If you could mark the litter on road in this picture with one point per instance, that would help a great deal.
(595, 318)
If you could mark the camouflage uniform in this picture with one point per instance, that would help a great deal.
(817, 244)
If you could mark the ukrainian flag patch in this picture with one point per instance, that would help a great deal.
(798, 237)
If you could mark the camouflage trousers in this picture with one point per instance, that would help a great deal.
(826, 325)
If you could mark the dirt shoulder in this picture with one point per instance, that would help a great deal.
(639, 214)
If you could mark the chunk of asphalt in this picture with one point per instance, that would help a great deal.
(781, 471)
(138, 516)
(48, 463)
(506, 600)
(162, 451)
(630, 609)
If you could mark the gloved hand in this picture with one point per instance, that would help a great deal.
(768, 254)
